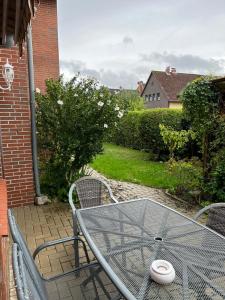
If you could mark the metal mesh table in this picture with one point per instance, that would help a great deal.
(126, 237)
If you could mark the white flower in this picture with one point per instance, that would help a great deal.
(120, 114)
(98, 86)
(72, 158)
(105, 125)
(101, 95)
(117, 108)
(109, 102)
(37, 90)
(75, 95)
(100, 103)
(86, 91)
(60, 102)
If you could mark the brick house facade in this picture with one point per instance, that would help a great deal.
(45, 43)
(15, 118)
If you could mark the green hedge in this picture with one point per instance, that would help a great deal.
(128, 131)
(140, 129)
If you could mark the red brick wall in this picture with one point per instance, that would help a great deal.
(15, 120)
(45, 43)
(15, 125)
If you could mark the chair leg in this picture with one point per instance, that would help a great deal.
(77, 254)
(76, 243)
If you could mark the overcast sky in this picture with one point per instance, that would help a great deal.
(120, 41)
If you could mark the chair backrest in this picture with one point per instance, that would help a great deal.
(24, 283)
(216, 220)
(91, 192)
(30, 264)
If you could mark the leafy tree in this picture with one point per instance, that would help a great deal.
(72, 120)
(130, 100)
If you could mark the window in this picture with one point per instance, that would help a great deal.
(153, 97)
(158, 97)
(150, 97)
(146, 97)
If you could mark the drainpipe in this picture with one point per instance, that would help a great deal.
(32, 108)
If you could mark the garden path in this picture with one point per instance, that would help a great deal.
(125, 190)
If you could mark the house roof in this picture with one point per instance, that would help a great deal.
(172, 83)
(14, 19)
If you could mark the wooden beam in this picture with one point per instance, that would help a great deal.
(4, 20)
(3, 209)
(17, 22)
(4, 274)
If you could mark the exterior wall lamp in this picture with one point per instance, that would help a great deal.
(8, 75)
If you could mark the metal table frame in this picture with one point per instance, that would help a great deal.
(105, 265)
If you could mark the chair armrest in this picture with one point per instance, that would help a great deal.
(204, 209)
(114, 199)
(110, 192)
(71, 198)
(56, 242)
(60, 241)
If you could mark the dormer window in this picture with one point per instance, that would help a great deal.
(153, 97)
(158, 97)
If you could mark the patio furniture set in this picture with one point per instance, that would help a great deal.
(128, 240)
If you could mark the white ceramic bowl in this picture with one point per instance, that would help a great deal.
(162, 272)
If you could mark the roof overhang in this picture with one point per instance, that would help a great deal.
(15, 15)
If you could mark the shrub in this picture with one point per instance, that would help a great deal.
(189, 177)
(204, 108)
(175, 139)
(201, 104)
(72, 120)
(140, 129)
(130, 100)
(127, 133)
(216, 183)
(149, 128)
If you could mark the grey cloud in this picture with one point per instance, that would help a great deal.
(74, 67)
(107, 77)
(127, 40)
(185, 62)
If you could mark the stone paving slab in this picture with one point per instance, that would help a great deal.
(40, 224)
(124, 191)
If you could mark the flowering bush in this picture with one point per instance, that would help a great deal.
(72, 120)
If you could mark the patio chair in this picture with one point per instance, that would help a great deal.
(215, 218)
(65, 286)
(90, 192)
(30, 281)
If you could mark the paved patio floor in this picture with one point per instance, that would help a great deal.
(53, 221)
(40, 224)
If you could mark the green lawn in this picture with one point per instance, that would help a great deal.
(133, 166)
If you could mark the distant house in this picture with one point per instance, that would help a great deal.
(162, 89)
